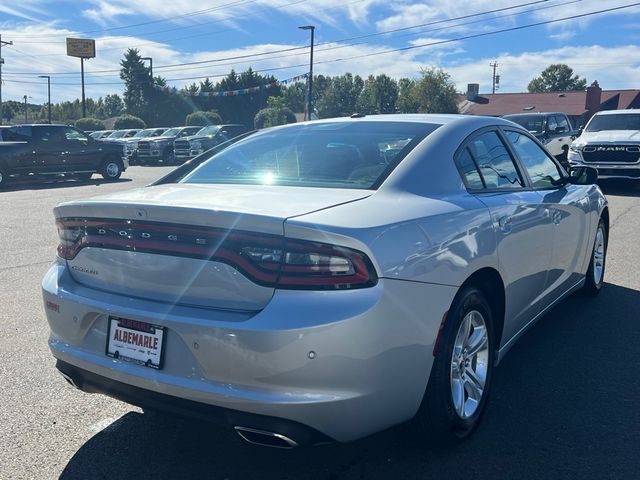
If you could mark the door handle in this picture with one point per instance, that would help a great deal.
(506, 224)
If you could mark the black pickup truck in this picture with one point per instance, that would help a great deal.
(51, 150)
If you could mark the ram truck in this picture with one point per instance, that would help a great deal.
(160, 149)
(611, 143)
(51, 150)
(210, 136)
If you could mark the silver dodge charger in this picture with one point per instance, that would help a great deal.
(323, 281)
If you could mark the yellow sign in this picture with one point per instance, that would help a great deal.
(81, 47)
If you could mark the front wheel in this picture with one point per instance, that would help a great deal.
(595, 272)
(111, 169)
(460, 380)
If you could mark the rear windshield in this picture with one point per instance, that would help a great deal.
(337, 154)
(532, 123)
(624, 121)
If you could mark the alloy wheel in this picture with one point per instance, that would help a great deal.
(469, 364)
(598, 256)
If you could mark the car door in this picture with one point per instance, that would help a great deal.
(79, 150)
(50, 146)
(567, 206)
(523, 230)
(22, 157)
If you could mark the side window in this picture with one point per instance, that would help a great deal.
(18, 134)
(543, 171)
(551, 124)
(72, 134)
(469, 171)
(494, 162)
(562, 122)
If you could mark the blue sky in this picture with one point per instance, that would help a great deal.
(603, 47)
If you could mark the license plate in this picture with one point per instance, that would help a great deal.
(135, 341)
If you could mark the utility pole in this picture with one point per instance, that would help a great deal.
(26, 120)
(84, 105)
(309, 102)
(48, 94)
(494, 65)
(1, 62)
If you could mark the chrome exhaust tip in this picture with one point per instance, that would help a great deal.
(70, 380)
(264, 438)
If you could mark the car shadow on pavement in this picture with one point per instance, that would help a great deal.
(564, 405)
(57, 183)
(620, 187)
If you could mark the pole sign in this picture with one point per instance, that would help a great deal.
(81, 47)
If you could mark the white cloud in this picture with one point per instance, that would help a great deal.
(613, 67)
(408, 15)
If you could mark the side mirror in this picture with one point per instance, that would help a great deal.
(583, 175)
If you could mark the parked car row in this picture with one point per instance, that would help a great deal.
(169, 145)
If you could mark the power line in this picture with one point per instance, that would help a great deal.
(424, 45)
(162, 20)
(304, 47)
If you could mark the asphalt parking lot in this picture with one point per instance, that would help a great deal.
(564, 404)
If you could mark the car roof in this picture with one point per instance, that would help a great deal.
(619, 112)
(531, 114)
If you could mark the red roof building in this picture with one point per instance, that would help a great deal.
(579, 106)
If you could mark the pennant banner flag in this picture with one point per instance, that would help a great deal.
(233, 93)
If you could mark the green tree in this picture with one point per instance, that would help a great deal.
(128, 121)
(112, 105)
(89, 124)
(557, 77)
(435, 92)
(379, 95)
(339, 96)
(138, 82)
(295, 96)
(276, 113)
(407, 100)
(203, 118)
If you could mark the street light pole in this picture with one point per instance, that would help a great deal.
(48, 94)
(1, 62)
(309, 102)
(26, 120)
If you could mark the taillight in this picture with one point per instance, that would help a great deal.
(268, 260)
(314, 265)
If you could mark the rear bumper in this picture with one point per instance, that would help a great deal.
(91, 383)
(342, 363)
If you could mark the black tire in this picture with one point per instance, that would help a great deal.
(595, 276)
(4, 178)
(438, 420)
(111, 169)
(168, 157)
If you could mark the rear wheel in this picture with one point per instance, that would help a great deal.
(595, 272)
(460, 380)
(111, 169)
